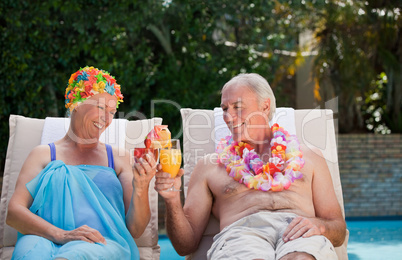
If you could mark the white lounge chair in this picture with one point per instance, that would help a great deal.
(314, 128)
(25, 134)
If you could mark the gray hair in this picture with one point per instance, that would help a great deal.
(258, 85)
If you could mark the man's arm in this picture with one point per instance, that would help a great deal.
(326, 205)
(186, 225)
(329, 220)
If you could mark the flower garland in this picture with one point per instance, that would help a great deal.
(89, 81)
(245, 166)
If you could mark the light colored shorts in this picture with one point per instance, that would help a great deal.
(259, 236)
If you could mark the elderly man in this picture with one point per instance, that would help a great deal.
(273, 198)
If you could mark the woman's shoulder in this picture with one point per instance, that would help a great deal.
(41, 150)
(37, 159)
(120, 152)
(121, 157)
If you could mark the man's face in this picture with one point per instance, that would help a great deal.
(246, 118)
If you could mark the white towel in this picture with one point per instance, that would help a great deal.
(56, 128)
(221, 129)
(115, 134)
(284, 116)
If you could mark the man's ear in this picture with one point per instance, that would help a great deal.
(266, 106)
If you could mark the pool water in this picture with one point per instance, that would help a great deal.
(167, 250)
(375, 239)
(368, 240)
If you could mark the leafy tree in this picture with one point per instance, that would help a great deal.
(375, 107)
(358, 40)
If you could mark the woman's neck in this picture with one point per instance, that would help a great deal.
(80, 142)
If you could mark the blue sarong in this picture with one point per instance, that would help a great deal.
(71, 196)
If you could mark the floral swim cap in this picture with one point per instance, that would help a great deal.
(87, 82)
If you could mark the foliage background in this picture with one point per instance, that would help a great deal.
(184, 51)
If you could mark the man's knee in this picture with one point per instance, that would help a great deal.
(298, 256)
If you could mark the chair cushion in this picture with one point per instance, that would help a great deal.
(25, 134)
(198, 136)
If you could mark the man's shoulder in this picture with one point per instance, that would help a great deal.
(314, 159)
(311, 152)
(209, 160)
(208, 164)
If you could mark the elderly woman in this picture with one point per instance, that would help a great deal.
(79, 198)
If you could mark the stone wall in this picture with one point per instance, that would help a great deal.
(371, 174)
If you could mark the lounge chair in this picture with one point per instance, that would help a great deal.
(26, 133)
(314, 128)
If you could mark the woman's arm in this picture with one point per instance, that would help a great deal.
(135, 181)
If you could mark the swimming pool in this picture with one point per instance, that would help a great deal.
(167, 250)
(368, 240)
(375, 239)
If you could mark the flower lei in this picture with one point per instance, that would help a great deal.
(245, 166)
(87, 82)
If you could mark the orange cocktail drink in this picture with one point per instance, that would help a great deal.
(170, 159)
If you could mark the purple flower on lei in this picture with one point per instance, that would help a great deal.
(253, 161)
(229, 139)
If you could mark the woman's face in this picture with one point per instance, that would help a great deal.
(96, 113)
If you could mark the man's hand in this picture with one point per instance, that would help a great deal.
(303, 227)
(164, 181)
(83, 233)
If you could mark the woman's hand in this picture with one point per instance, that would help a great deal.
(144, 170)
(302, 227)
(83, 233)
(164, 181)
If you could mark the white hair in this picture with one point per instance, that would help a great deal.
(258, 85)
